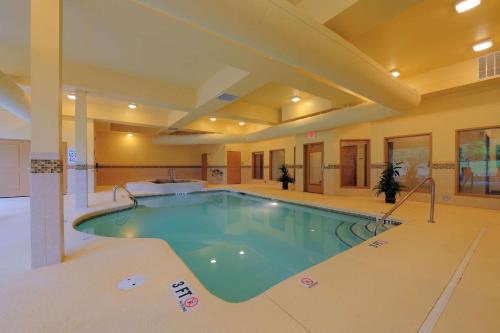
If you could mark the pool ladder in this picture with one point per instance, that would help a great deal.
(131, 196)
(381, 220)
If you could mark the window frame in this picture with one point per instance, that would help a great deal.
(271, 162)
(254, 167)
(368, 163)
(457, 162)
(386, 153)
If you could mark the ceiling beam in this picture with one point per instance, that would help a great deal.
(240, 88)
(250, 113)
(324, 10)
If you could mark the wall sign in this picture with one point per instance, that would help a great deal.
(311, 134)
(71, 156)
(184, 295)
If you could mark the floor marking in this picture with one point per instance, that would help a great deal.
(185, 297)
(308, 282)
(440, 305)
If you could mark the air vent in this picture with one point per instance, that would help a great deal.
(488, 66)
(227, 97)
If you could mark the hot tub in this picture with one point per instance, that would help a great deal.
(165, 186)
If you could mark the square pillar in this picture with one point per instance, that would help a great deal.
(81, 187)
(90, 155)
(47, 235)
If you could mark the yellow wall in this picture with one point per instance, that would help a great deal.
(440, 114)
(116, 148)
(286, 143)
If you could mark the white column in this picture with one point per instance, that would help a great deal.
(47, 236)
(81, 189)
(90, 156)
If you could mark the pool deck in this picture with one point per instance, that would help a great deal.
(390, 288)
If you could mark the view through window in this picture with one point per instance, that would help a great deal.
(276, 159)
(414, 154)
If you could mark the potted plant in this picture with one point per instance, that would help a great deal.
(285, 177)
(388, 183)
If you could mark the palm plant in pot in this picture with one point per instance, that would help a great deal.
(388, 183)
(285, 178)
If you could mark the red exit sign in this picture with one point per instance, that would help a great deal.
(311, 134)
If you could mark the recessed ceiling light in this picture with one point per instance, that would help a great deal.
(71, 96)
(213, 261)
(274, 203)
(465, 5)
(242, 252)
(130, 135)
(296, 99)
(212, 119)
(484, 45)
(132, 106)
(395, 73)
(242, 123)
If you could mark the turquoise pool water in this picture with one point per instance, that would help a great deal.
(237, 245)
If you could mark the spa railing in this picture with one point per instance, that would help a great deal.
(381, 220)
(131, 196)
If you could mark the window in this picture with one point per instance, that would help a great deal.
(414, 154)
(354, 163)
(276, 160)
(478, 159)
(258, 165)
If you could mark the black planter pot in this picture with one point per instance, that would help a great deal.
(285, 185)
(390, 199)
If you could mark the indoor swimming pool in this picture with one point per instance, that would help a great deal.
(237, 245)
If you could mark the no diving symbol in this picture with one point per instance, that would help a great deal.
(308, 282)
(191, 302)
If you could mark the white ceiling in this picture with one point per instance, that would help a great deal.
(117, 35)
(121, 50)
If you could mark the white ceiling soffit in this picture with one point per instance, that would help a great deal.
(324, 10)
(278, 30)
(333, 119)
(13, 99)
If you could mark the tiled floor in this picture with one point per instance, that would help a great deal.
(365, 289)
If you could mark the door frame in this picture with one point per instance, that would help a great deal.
(307, 186)
(230, 167)
(204, 166)
(367, 162)
(24, 165)
(261, 153)
(271, 162)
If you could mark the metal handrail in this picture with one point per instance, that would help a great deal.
(131, 196)
(381, 221)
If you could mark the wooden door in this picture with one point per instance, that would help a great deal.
(349, 162)
(258, 165)
(14, 168)
(204, 166)
(234, 167)
(313, 167)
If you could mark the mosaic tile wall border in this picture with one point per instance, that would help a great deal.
(46, 166)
